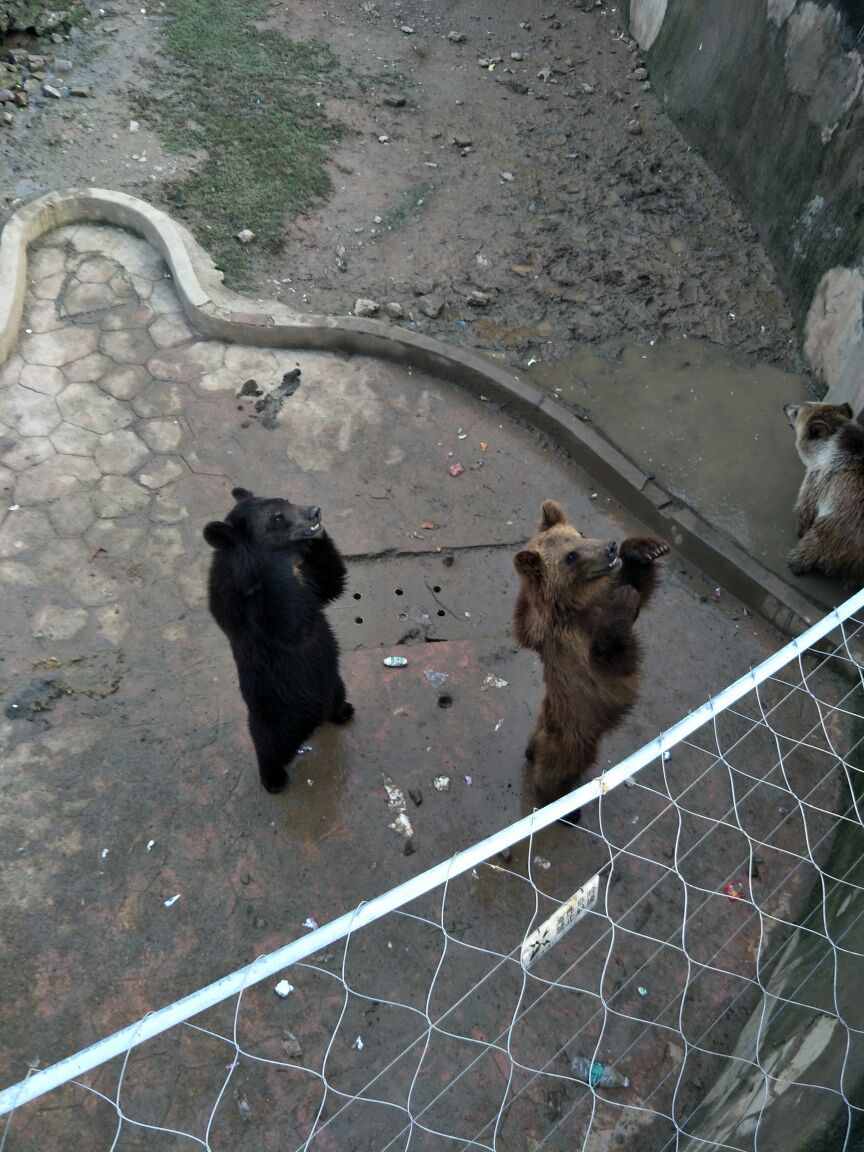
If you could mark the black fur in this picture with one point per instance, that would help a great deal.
(271, 575)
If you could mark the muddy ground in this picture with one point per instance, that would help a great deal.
(573, 203)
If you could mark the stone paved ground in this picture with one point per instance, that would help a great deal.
(127, 774)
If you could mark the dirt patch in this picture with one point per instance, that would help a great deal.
(94, 677)
(524, 206)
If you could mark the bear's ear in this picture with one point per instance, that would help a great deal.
(819, 430)
(241, 493)
(551, 514)
(529, 564)
(844, 410)
(219, 535)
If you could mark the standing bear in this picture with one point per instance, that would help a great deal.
(274, 568)
(577, 605)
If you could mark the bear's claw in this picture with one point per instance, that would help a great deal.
(644, 549)
(795, 566)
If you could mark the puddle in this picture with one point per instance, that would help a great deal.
(706, 424)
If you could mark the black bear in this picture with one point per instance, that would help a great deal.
(274, 568)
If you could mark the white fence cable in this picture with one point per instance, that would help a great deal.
(650, 977)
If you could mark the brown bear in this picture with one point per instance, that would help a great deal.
(576, 606)
(830, 504)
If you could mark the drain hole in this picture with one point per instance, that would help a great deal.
(445, 701)
(399, 592)
(403, 615)
(441, 612)
(356, 595)
(358, 619)
(436, 588)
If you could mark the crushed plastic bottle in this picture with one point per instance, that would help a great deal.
(597, 1074)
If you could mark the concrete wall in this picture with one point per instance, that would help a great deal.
(771, 92)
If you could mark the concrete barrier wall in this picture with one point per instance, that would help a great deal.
(771, 92)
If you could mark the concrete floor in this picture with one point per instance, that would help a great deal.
(128, 774)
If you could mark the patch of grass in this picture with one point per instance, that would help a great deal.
(252, 99)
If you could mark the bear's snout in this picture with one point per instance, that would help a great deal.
(791, 411)
(611, 549)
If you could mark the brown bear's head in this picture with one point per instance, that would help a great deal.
(275, 523)
(814, 425)
(564, 568)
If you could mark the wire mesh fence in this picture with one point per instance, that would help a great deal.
(644, 982)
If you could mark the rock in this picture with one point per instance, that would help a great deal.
(463, 142)
(407, 29)
(457, 37)
(522, 270)
(80, 90)
(544, 74)
(430, 306)
(516, 56)
(508, 177)
(246, 236)
(365, 307)
(423, 285)
(395, 101)
(6, 96)
(384, 139)
(634, 128)
(36, 63)
(50, 90)
(31, 85)
(478, 299)
(395, 310)
(61, 64)
(640, 73)
(6, 118)
(17, 56)
(21, 99)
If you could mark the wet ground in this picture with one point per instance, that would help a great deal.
(709, 425)
(143, 860)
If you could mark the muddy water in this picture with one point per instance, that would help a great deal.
(675, 408)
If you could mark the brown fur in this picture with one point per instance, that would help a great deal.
(576, 606)
(830, 505)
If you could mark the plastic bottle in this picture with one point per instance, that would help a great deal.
(596, 1074)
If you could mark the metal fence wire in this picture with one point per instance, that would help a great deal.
(653, 985)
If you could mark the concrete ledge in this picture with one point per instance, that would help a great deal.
(215, 311)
